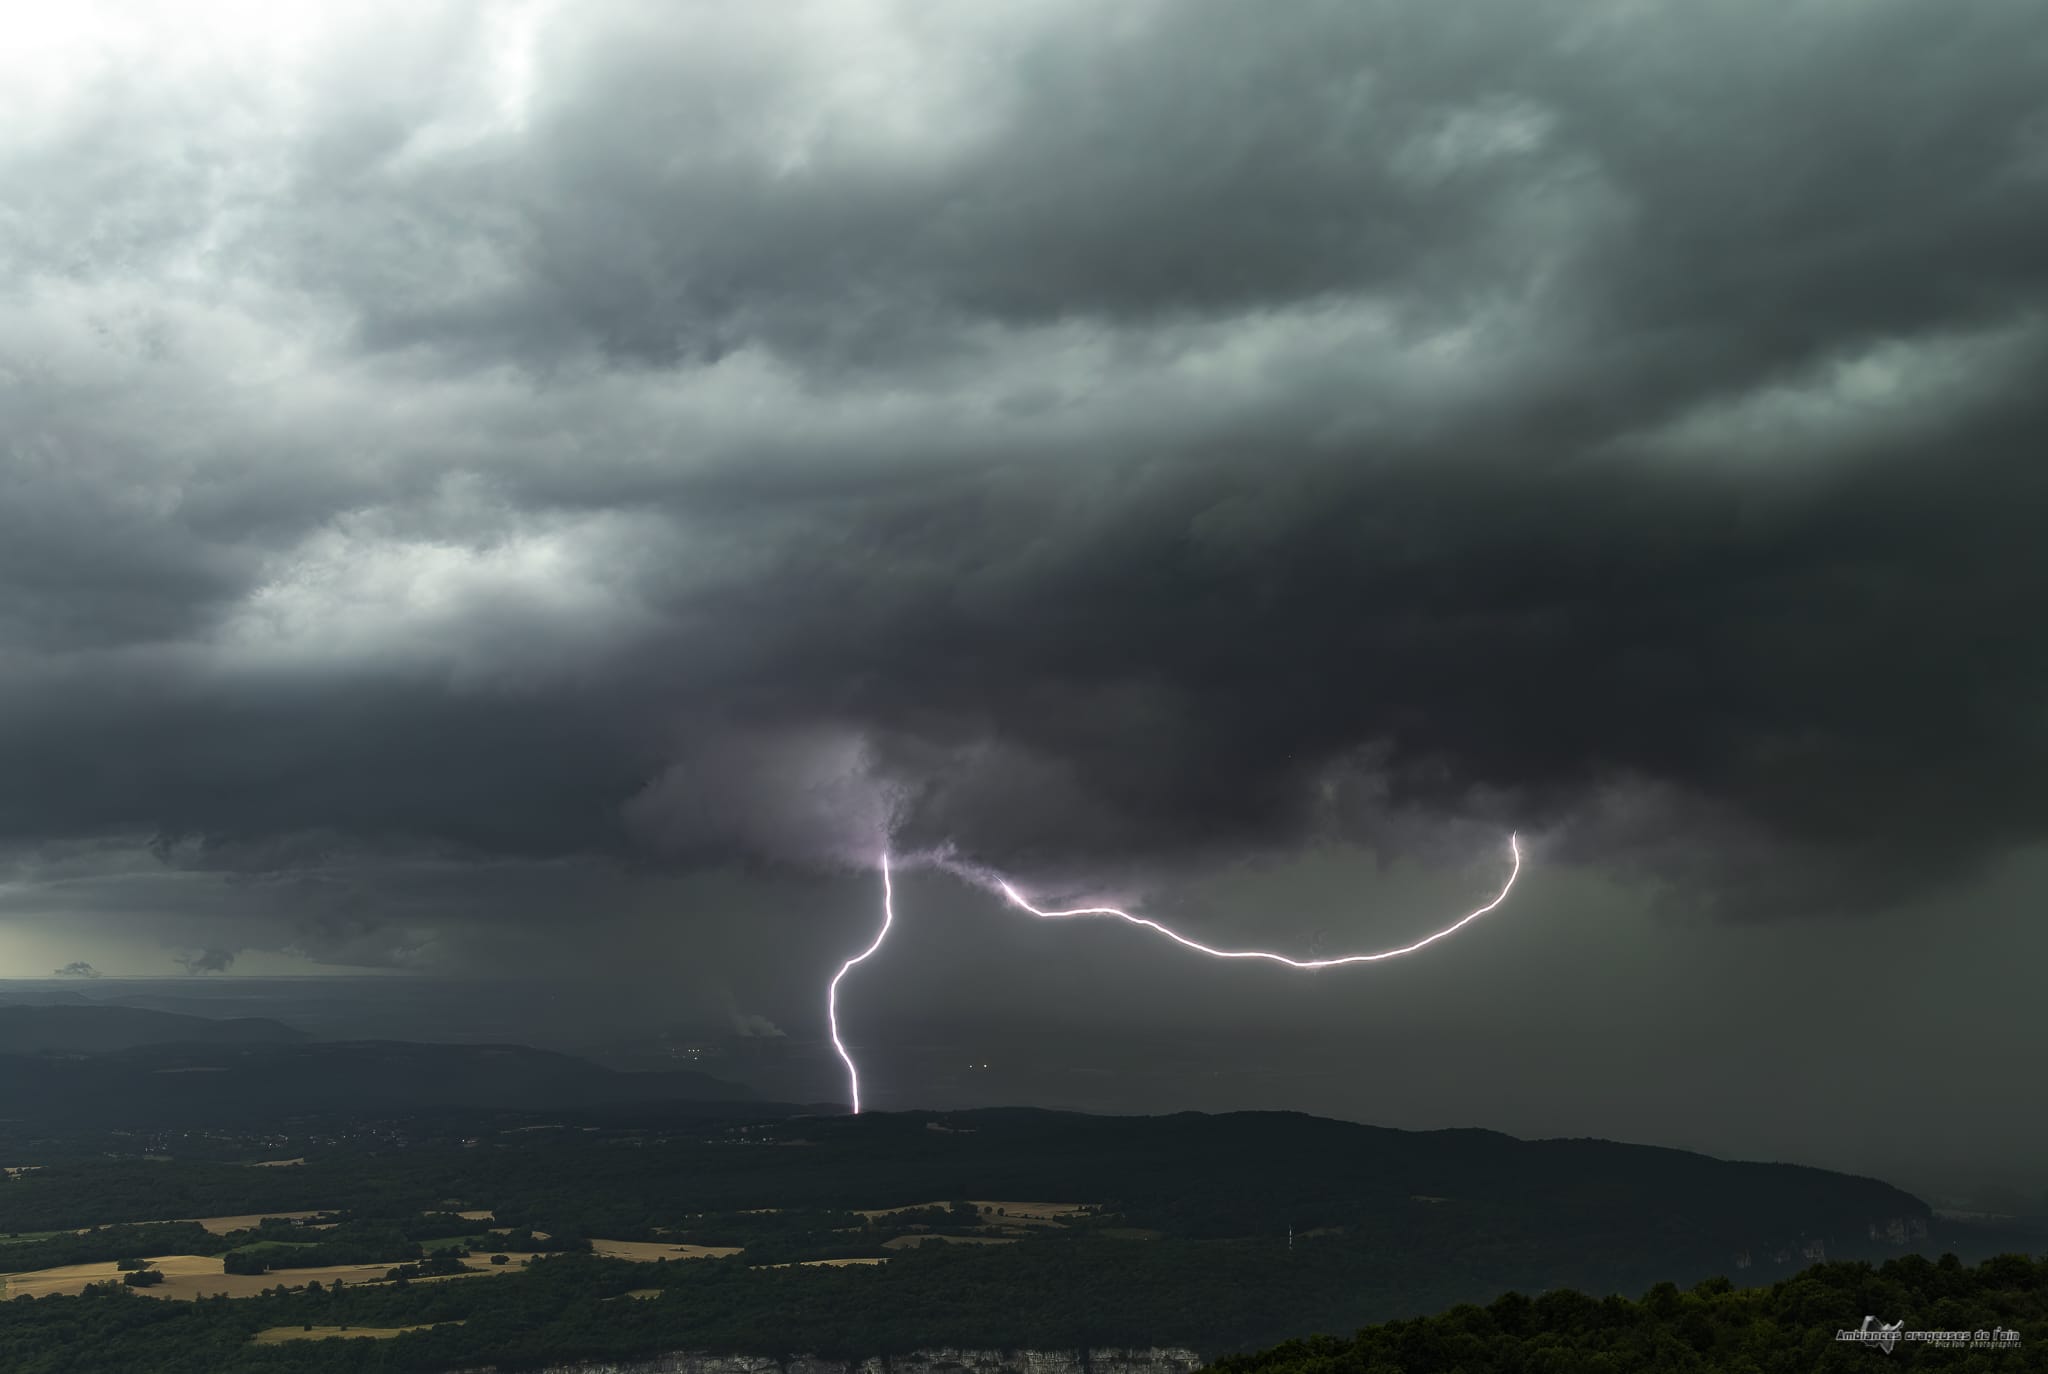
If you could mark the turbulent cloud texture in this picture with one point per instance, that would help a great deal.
(627, 434)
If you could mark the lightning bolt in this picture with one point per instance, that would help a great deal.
(1514, 845)
(1016, 899)
(832, 993)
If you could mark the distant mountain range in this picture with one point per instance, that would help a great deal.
(74, 1064)
(83, 1028)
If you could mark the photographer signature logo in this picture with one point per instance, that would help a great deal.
(1885, 1335)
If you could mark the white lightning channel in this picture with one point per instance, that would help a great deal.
(1016, 899)
(832, 993)
(1514, 846)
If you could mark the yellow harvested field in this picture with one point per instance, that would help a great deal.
(1019, 1213)
(908, 1242)
(1040, 1211)
(278, 1335)
(638, 1294)
(185, 1276)
(649, 1251)
(479, 1262)
(478, 1214)
(201, 1276)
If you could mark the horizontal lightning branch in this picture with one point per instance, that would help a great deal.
(1514, 845)
(1017, 900)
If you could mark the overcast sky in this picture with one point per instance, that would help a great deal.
(497, 489)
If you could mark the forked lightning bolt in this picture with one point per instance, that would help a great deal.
(1011, 893)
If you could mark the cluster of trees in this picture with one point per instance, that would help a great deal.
(953, 1217)
(281, 1245)
(781, 1235)
(524, 1238)
(1787, 1328)
(380, 1242)
(70, 1193)
(443, 1262)
(110, 1243)
(763, 1233)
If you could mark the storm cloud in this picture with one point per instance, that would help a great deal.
(646, 438)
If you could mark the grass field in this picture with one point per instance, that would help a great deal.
(278, 1335)
(824, 1264)
(909, 1242)
(648, 1251)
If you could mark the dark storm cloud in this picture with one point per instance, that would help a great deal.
(207, 961)
(1167, 434)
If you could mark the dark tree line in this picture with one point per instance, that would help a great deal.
(1715, 1328)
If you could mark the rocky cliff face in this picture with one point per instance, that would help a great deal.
(940, 1361)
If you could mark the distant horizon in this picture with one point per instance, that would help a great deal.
(1943, 1182)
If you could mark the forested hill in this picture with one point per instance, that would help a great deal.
(1615, 1214)
(2000, 1309)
